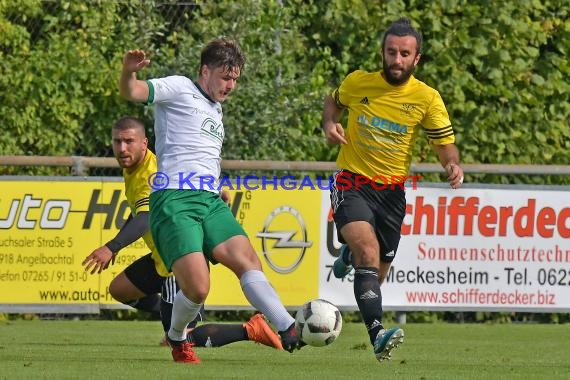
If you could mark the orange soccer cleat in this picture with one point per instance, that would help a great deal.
(259, 331)
(182, 352)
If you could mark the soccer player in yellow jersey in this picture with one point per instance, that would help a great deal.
(386, 109)
(141, 282)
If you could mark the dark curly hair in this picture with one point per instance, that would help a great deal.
(403, 27)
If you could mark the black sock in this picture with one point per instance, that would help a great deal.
(150, 303)
(217, 334)
(369, 299)
(165, 314)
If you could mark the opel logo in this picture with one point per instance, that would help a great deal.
(293, 242)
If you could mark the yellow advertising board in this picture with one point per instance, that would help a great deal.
(283, 226)
(48, 227)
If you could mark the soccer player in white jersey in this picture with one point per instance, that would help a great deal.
(190, 223)
(141, 282)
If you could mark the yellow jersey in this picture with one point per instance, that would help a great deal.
(384, 121)
(137, 191)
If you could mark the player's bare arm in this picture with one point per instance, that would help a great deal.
(334, 132)
(130, 87)
(449, 157)
(98, 260)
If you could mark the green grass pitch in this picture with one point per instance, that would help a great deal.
(129, 350)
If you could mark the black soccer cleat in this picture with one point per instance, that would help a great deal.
(290, 339)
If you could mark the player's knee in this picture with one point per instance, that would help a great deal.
(252, 260)
(367, 258)
(201, 295)
(246, 264)
(241, 262)
(197, 294)
(116, 293)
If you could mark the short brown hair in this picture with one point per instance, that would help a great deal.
(223, 52)
(129, 122)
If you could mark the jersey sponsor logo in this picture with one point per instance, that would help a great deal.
(213, 130)
(383, 124)
(284, 241)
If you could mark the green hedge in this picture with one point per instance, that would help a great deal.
(501, 68)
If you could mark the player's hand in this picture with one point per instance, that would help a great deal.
(98, 260)
(226, 196)
(454, 175)
(135, 60)
(334, 133)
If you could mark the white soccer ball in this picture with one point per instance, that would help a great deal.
(318, 322)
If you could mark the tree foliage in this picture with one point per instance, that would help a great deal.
(502, 71)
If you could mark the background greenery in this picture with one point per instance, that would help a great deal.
(501, 68)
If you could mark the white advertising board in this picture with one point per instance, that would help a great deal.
(469, 249)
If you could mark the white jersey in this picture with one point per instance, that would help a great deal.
(189, 133)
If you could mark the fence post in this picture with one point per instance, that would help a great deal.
(401, 317)
(78, 168)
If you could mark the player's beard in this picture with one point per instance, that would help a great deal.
(396, 81)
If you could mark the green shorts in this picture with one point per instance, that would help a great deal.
(186, 221)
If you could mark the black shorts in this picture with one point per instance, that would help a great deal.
(142, 273)
(382, 206)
